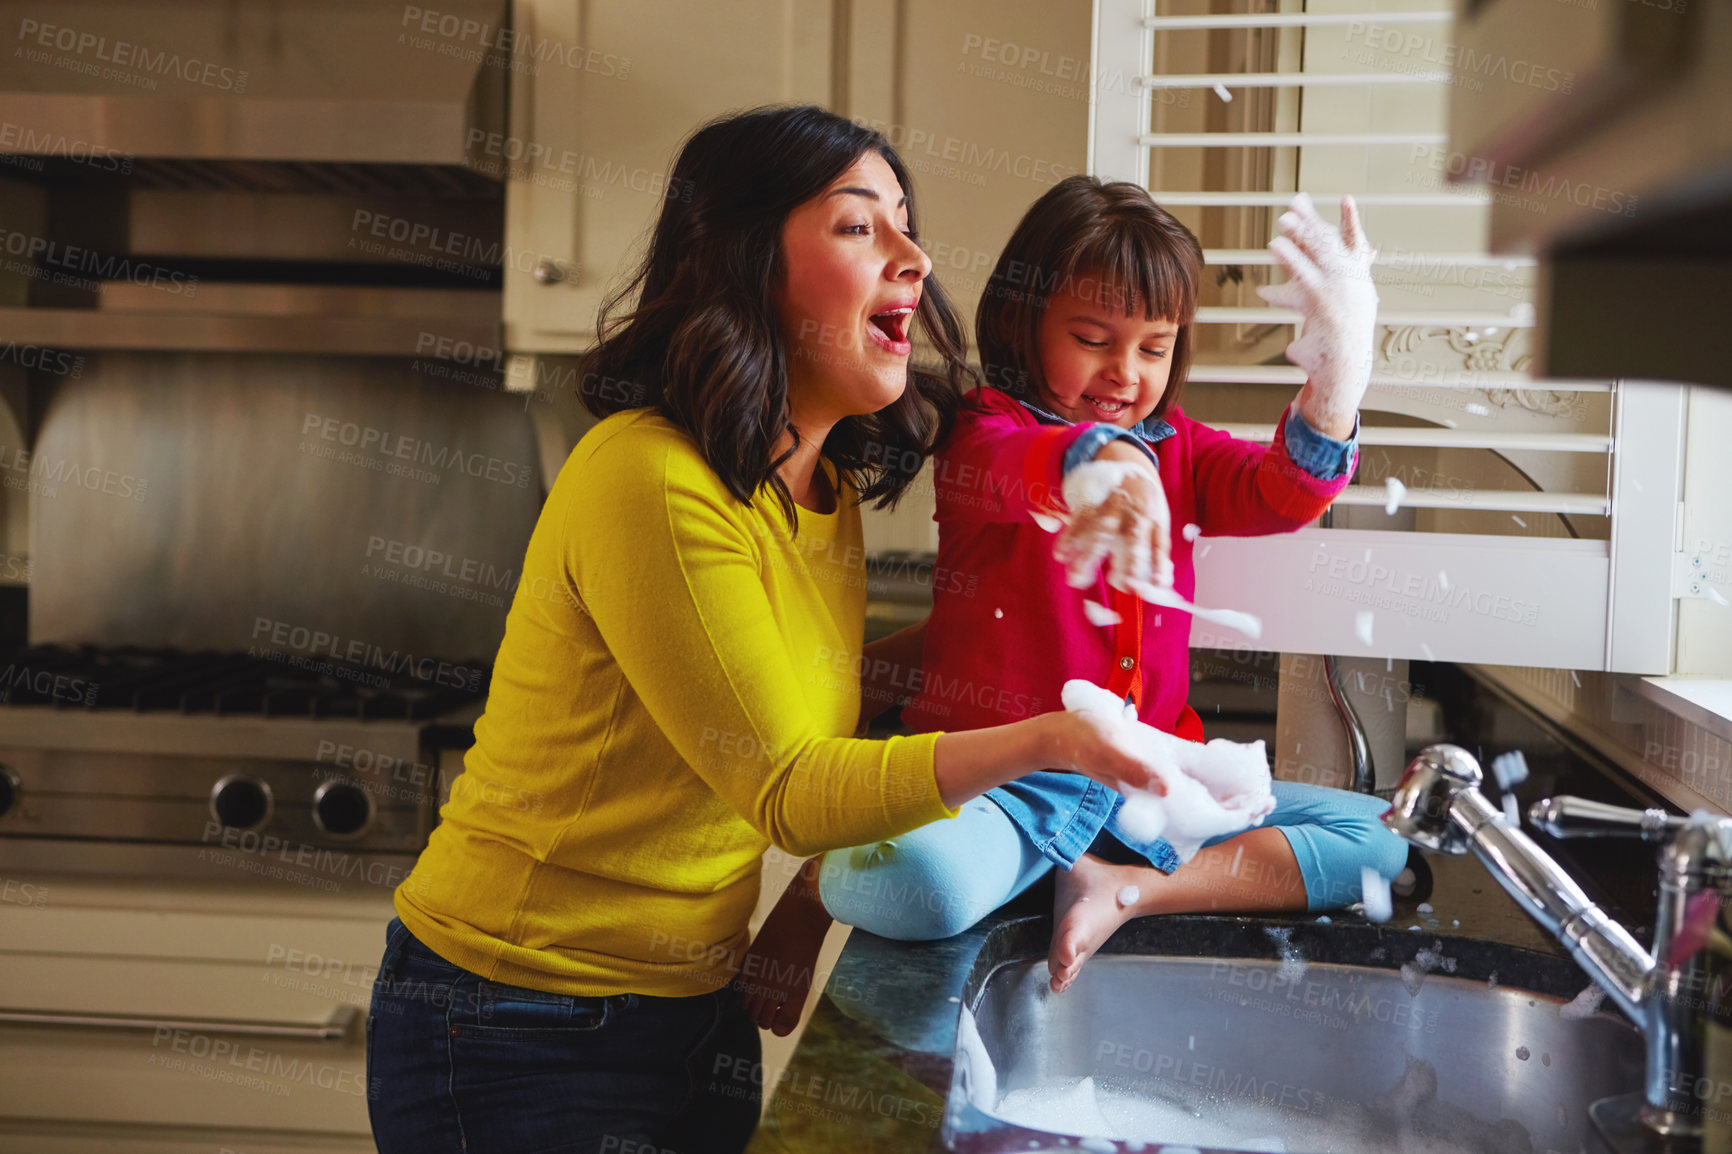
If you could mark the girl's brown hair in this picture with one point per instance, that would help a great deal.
(1087, 235)
(696, 331)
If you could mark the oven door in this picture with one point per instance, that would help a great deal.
(150, 1016)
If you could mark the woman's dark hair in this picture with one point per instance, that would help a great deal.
(1089, 236)
(703, 342)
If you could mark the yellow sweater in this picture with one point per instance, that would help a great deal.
(675, 693)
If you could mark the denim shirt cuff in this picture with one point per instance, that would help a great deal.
(1086, 446)
(1323, 457)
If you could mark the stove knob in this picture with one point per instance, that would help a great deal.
(341, 809)
(10, 788)
(240, 802)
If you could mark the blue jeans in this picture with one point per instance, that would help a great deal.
(942, 878)
(459, 1064)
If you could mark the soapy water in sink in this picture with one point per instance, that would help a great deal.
(1408, 1118)
(1584, 1004)
(1424, 962)
(1292, 958)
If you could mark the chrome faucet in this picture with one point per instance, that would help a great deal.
(1672, 995)
(1358, 744)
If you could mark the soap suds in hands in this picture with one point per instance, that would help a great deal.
(1218, 788)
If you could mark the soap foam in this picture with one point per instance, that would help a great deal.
(1362, 625)
(1583, 1005)
(1393, 491)
(974, 1057)
(1510, 769)
(1247, 623)
(1214, 789)
(1099, 614)
(1379, 903)
(1407, 1118)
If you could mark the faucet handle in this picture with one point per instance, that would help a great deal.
(1567, 817)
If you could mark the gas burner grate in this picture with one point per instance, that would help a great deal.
(228, 685)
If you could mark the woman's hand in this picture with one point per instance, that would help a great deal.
(1329, 283)
(1101, 747)
(1119, 515)
(970, 762)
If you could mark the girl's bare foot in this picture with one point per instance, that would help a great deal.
(1086, 911)
(776, 975)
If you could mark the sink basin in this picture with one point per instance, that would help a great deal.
(1303, 1039)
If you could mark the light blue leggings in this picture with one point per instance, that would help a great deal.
(940, 879)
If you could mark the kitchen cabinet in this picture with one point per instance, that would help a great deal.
(175, 956)
(987, 103)
(602, 94)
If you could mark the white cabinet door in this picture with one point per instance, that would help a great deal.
(602, 94)
(200, 991)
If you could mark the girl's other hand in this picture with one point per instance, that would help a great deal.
(1100, 747)
(1329, 283)
(1119, 515)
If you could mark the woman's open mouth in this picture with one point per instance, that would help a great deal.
(890, 329)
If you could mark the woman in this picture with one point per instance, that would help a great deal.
(679, 674)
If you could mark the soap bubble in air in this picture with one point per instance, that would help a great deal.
(1099, 614)
(1393, 491)
(1362, 626)
(1510, 769)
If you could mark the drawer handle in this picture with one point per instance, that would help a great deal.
(336, 1028)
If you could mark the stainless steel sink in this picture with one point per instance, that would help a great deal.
(1256, 1054)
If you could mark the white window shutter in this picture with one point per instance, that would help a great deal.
(1326, 110)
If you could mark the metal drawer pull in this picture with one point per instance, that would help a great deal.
(336, 1028)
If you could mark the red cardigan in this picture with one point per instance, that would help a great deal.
(1007, 631)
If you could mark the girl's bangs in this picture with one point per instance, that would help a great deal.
(1130, 269)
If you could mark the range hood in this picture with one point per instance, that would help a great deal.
(327, 174)
(303, 81)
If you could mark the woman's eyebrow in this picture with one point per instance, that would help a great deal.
(865, 192)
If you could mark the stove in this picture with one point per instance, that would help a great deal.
(226, 766)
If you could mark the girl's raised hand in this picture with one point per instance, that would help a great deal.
(1119, 516)
(1329, 283)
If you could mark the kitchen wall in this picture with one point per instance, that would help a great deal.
(988, 104)
(1643, 730)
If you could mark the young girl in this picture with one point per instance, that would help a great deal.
(1085, 333)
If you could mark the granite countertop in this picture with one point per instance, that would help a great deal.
(873, 1070)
